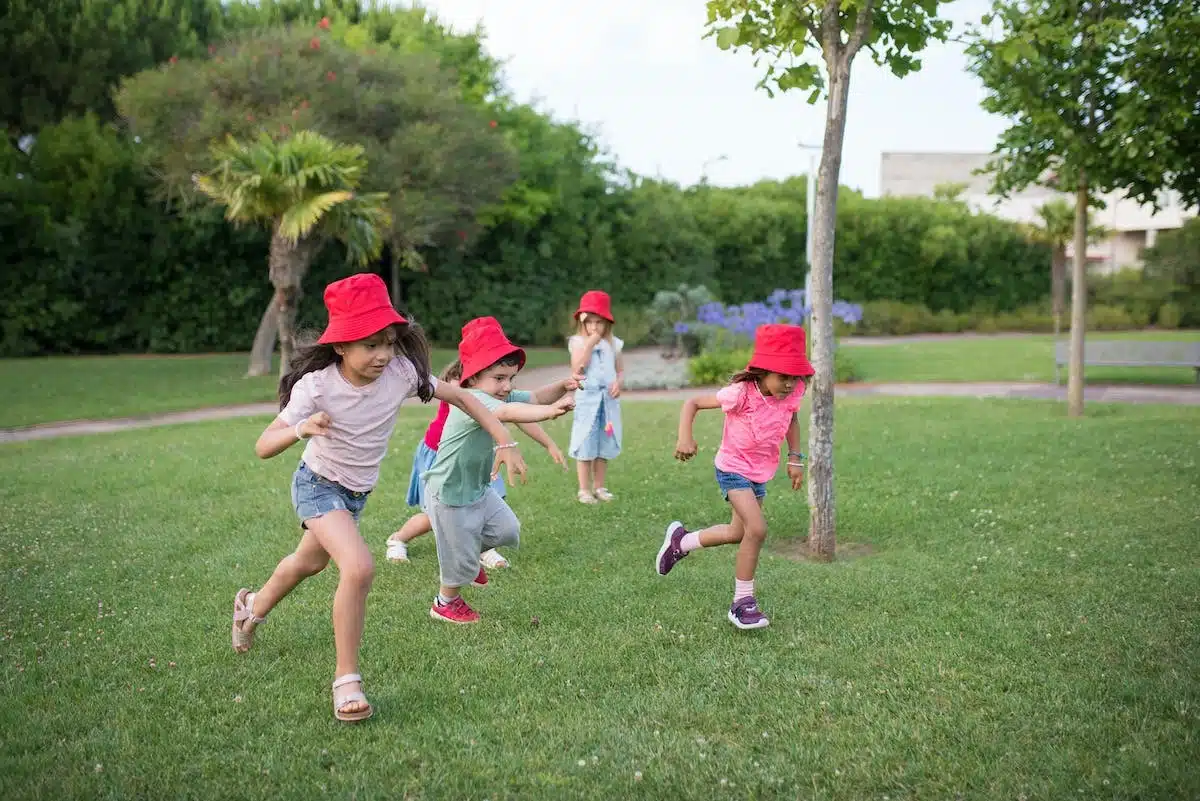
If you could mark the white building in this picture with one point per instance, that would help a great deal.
(1133, 226)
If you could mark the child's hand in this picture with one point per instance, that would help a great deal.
(685, 449)
(796, 474)
(614, 389)
(516, 465)
(557, 455)
(317, 425)
(571, 384)
(563, 405)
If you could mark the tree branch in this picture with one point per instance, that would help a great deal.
(862, 27)
(831, 28)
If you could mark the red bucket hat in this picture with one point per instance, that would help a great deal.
(780, 349)
(359, 306)
(595, 302)
(483, 344)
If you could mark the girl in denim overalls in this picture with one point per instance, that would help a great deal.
(596, 432)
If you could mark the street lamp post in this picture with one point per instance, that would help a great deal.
(810, 204)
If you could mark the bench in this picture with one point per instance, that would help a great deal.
(1130, 353)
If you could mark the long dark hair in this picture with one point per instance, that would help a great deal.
(310, 356)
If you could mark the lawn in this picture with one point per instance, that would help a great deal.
(1021, 619)
(101, 387)
(1003, 359)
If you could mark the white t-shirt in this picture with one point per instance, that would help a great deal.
(363, 419)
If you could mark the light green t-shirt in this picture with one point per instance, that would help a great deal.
(462, 470)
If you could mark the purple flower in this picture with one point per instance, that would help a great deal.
(680, 328)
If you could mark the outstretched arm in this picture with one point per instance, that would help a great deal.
(685, 446)
(506, 446)
(539, 435)
(534, 412)
(552, 392)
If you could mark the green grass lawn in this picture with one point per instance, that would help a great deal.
(1025, 624)
(1003, 359)
(67, 388)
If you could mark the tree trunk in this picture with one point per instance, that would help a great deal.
(822, 529)
(1058, 285)
(288, 262)
(1078, 303)
(263, 349)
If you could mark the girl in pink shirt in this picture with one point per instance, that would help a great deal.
(760, 406)
(342, 395)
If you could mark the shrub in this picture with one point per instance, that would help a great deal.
(669, 313)
(1109, 318)
(1170, 315)
(882, 317)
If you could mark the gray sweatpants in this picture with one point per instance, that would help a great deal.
(464, 532)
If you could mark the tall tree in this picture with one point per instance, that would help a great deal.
(1087, 113)
(439, 159)
(1056, 228)
(304, 187)
(790, 35)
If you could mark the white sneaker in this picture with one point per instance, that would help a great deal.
(491, 559)
(603, 494)
(587, 497)
(397, 551)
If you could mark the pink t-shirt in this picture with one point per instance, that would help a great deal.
(433, 434)
(363, 419)
(754, 427)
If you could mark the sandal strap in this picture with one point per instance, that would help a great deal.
(349, 678)
(243, 612)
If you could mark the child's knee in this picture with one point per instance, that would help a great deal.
(359, 570)
(309, 564)
(755, 532)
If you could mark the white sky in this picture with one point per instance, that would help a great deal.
(666, 101)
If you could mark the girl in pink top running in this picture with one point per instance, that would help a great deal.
(342, 395)
(760, 406)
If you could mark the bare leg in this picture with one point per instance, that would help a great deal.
(338, 534)
(308, 559)
(599, 469)
(754, 532)
(584, 471)
(414, 527)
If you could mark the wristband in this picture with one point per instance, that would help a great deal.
(506, 445)
(795, 464)
(797, 454)
(296, 430)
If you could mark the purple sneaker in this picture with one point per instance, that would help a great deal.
(745, 614)
(670, 553)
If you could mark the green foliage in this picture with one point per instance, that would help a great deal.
(1175, 260)
(673, 307)
(437, 157)
(64, 57)
(303, 187)
(1087, 109)
(1170, 315)
(787, 35)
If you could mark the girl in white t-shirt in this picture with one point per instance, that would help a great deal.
(342, 395)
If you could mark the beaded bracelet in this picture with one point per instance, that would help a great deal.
(505, 445)
(296, 430)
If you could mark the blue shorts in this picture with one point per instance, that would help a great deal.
(422, 461)
(736, 481)
(313, 496)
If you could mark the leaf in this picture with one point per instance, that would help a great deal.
(727, 38)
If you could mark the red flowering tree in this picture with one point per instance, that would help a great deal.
(439, 159)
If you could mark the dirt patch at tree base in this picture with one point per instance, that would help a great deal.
(797, 550)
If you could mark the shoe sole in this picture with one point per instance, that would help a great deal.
(665, 547)
(762, 624)
(445, 619)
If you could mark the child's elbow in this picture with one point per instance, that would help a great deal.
(261, 450)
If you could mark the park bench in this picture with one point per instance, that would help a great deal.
(1131, 353)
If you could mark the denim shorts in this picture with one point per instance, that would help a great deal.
(313, 496)
(736, 481)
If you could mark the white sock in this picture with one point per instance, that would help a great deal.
(690, 542)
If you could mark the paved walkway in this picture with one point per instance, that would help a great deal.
(1185, 396)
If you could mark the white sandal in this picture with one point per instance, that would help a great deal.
(491, 559)
(397, 551)
(342, 700)
(603, 494)
(587, 497)
(243, 610)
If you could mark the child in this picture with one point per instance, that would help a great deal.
(467, 515)
(418, 524)
(596, 431)
(760, 408)
(345, 392)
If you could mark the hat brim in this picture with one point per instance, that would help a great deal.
(597, 312)
(783, 364)
(360, 326)
(476, 363)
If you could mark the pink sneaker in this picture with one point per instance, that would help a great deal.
(480, 580)
(456, 611)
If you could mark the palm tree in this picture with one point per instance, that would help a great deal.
(303, 187)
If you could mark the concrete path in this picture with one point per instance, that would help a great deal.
(1185, 396)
